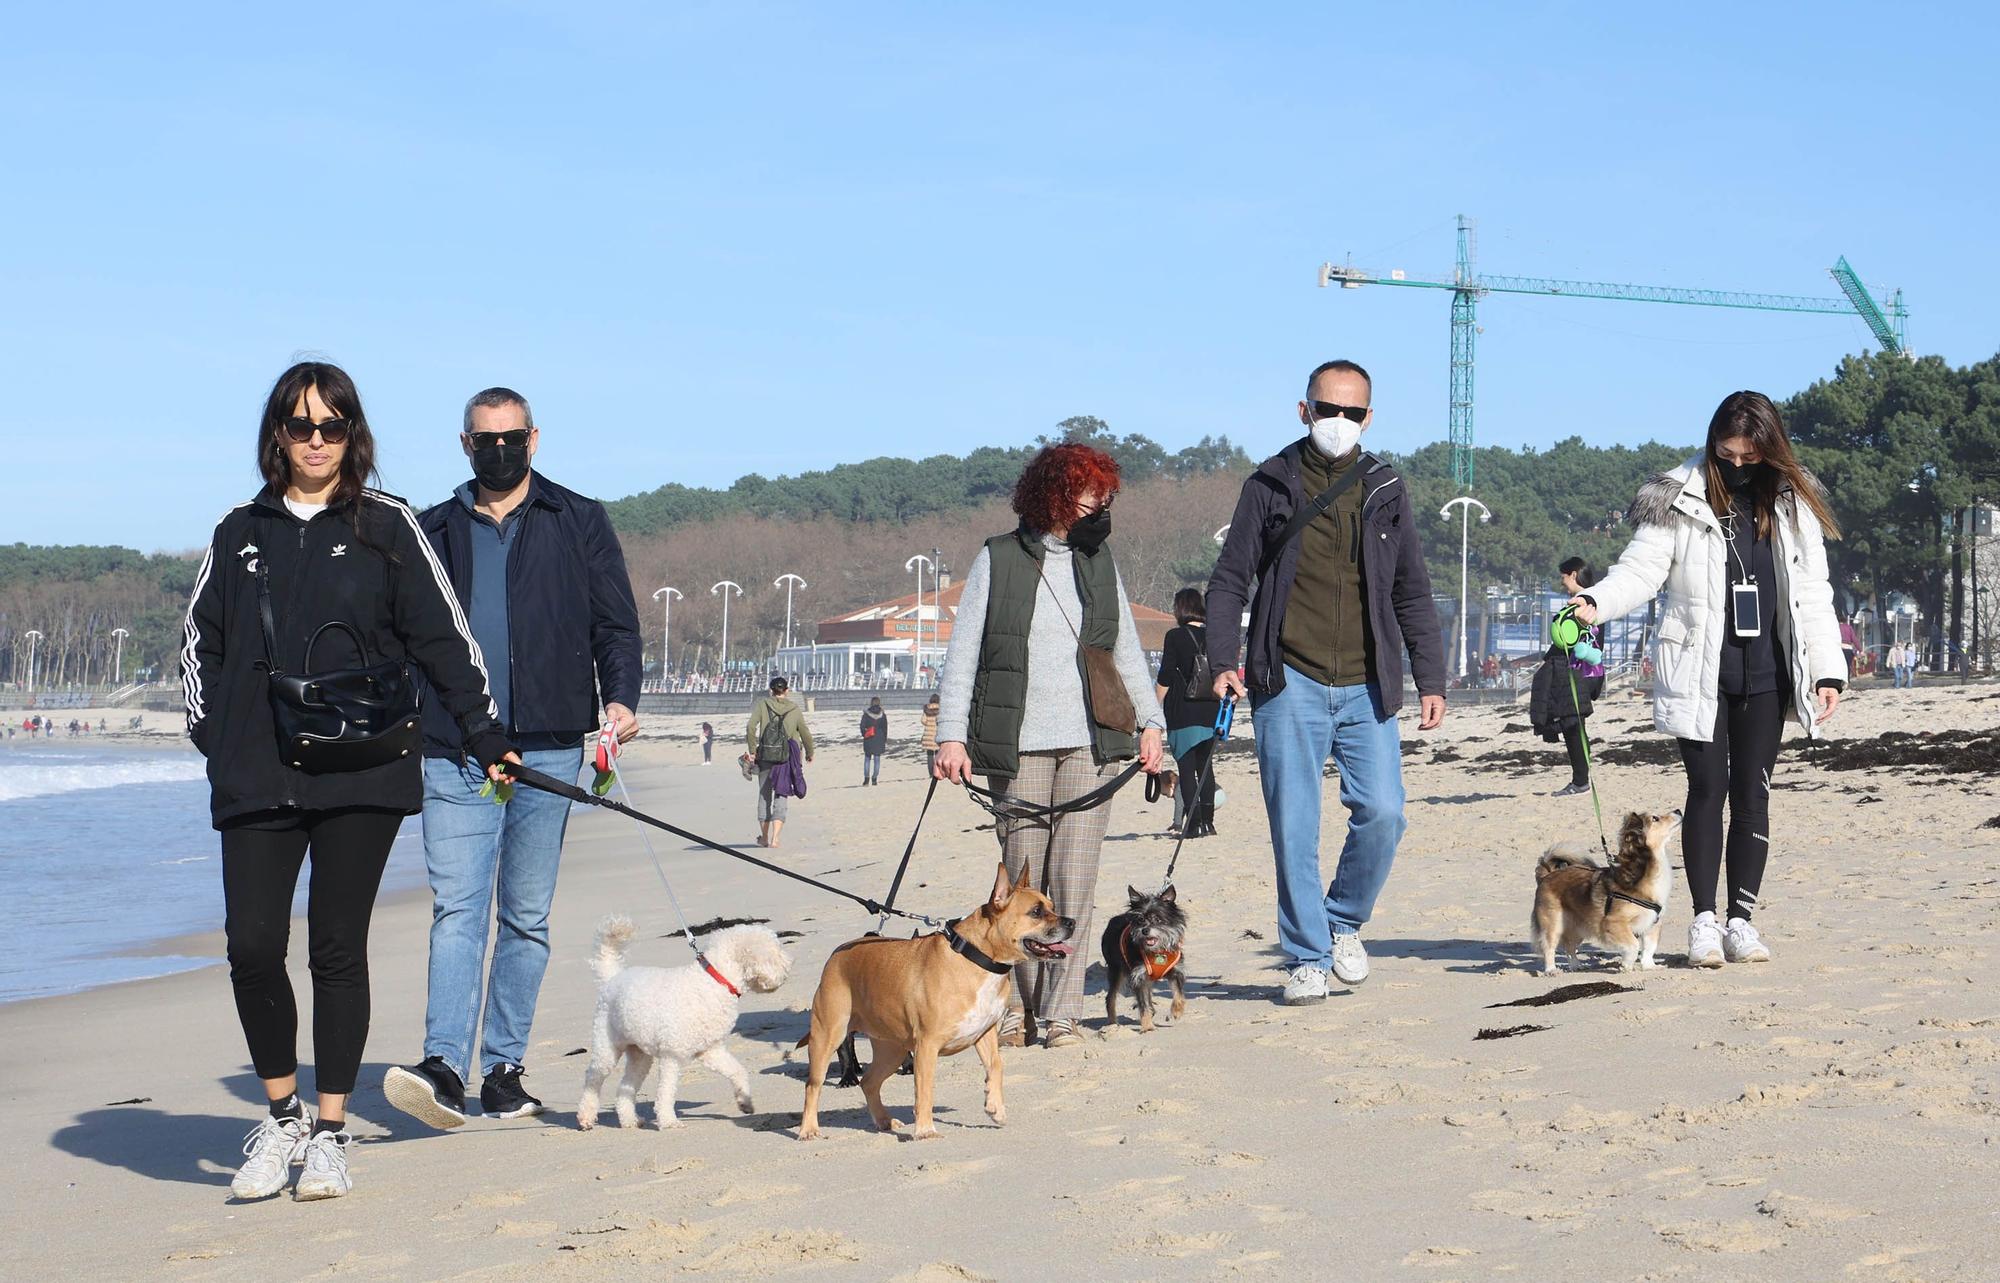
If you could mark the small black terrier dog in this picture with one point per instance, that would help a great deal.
(1141, 947)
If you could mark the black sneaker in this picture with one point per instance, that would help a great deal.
(430, 1093)
(500, 1096)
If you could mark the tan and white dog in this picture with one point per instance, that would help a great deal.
(932, 996)
(1579, 901)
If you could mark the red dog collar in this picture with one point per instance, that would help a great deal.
(720, 979)
(1157, 964)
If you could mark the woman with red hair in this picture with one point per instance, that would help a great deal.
(1045, 688)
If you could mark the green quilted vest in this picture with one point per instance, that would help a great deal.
(1000, 688)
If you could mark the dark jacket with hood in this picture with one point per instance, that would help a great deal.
(1395, 585)
(382, 580)
(573, 626)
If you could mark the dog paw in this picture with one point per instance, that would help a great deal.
(808, 1133)
(671, 1124)
(744, 1105)
(628, 1121)
(887, 1125)
(924, 1133)
(584, 1122)
(999, 1116)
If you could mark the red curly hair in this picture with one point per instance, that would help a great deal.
(1046, 495)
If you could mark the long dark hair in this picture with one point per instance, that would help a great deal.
(1190, 607)
(1585, 574)
(357, 465)
(1751, 415)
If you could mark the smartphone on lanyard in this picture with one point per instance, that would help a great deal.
(1745, 618)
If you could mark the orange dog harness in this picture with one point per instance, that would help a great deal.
(1157, 964)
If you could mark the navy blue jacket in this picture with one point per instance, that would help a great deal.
(1401, 615)
(574, 628)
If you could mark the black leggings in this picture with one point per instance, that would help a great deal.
(1197, 810)
(1735, 764)
(260, 870)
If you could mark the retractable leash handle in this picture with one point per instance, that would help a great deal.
(1571, 635)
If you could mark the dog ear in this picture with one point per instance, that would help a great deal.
(1168, 894)
(1003, 890)
(1132, 893)
(1021, 883)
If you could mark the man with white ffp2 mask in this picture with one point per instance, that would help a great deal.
(1326, 532)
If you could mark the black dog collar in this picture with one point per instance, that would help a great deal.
(963, 947)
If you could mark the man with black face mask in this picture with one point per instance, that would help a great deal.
(540, 579)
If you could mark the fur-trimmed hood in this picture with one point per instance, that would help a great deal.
(1654, 503)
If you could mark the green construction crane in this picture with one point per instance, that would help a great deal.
(1885, 316)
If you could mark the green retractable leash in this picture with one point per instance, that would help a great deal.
(1567, 632)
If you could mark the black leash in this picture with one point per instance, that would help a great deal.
(549, 784)
(1000, 806)
(896, 883)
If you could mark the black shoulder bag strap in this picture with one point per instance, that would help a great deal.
(1317, 505)
(264, 616)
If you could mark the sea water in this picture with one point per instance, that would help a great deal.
(106, 849)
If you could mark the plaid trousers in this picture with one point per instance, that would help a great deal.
(1060, 855)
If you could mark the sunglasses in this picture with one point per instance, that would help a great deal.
(300, 430)
(513, 437)
(1328, 410)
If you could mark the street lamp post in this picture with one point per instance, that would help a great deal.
(33, 635)
(667, 635)
(788, 582)
(118, 656)
(715, 590)
(918, 563)
(1465, 504)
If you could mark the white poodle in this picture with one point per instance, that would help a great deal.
(674, 1015)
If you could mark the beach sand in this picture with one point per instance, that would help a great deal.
(1832, 1114)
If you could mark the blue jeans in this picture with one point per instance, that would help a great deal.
(871, 767)
(1296, 730)
(473, 849)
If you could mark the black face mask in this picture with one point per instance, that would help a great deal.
(1738, 476)
(499, 467)
(1089, 533)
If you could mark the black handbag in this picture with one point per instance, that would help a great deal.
(344, 719)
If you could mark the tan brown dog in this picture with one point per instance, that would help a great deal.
(1579, 901)
(932, 996)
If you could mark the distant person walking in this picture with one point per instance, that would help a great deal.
(1567, 686)
(707, 744)
(1737, 536)
(342, 577)
(874, 741)
(1328, 535)
(1186, 690)
(1045, 691)
(775, 725)
(930, 722)
(1903, 660)
(539, 575)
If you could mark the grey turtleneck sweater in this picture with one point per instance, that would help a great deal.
(1055, 717)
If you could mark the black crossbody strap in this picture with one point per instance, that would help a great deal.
(1318, 504)
(264, 615)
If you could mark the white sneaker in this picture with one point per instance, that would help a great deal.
(269, 1152)
(1740, 942)
(1704, 941)
(1305, 983)
(1350, 960)
(325, 1175)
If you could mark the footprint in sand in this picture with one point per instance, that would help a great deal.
(942, 1272)
(1720, 1236)
(947, 1173)
(777, 1250)
(735, 1194)
(1167, 1243)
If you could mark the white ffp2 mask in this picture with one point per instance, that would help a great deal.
(1335, 437)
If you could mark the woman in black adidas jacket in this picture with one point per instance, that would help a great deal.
(334, 550)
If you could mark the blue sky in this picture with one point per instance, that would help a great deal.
(710, 239)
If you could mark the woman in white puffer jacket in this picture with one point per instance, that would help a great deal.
(1737, 536)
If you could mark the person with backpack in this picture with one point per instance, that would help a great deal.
(1328, 535)
(874, 741)
(1567, 685)
(776, 724)
(315, 599)
(1187, 692)
(1749, 641)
